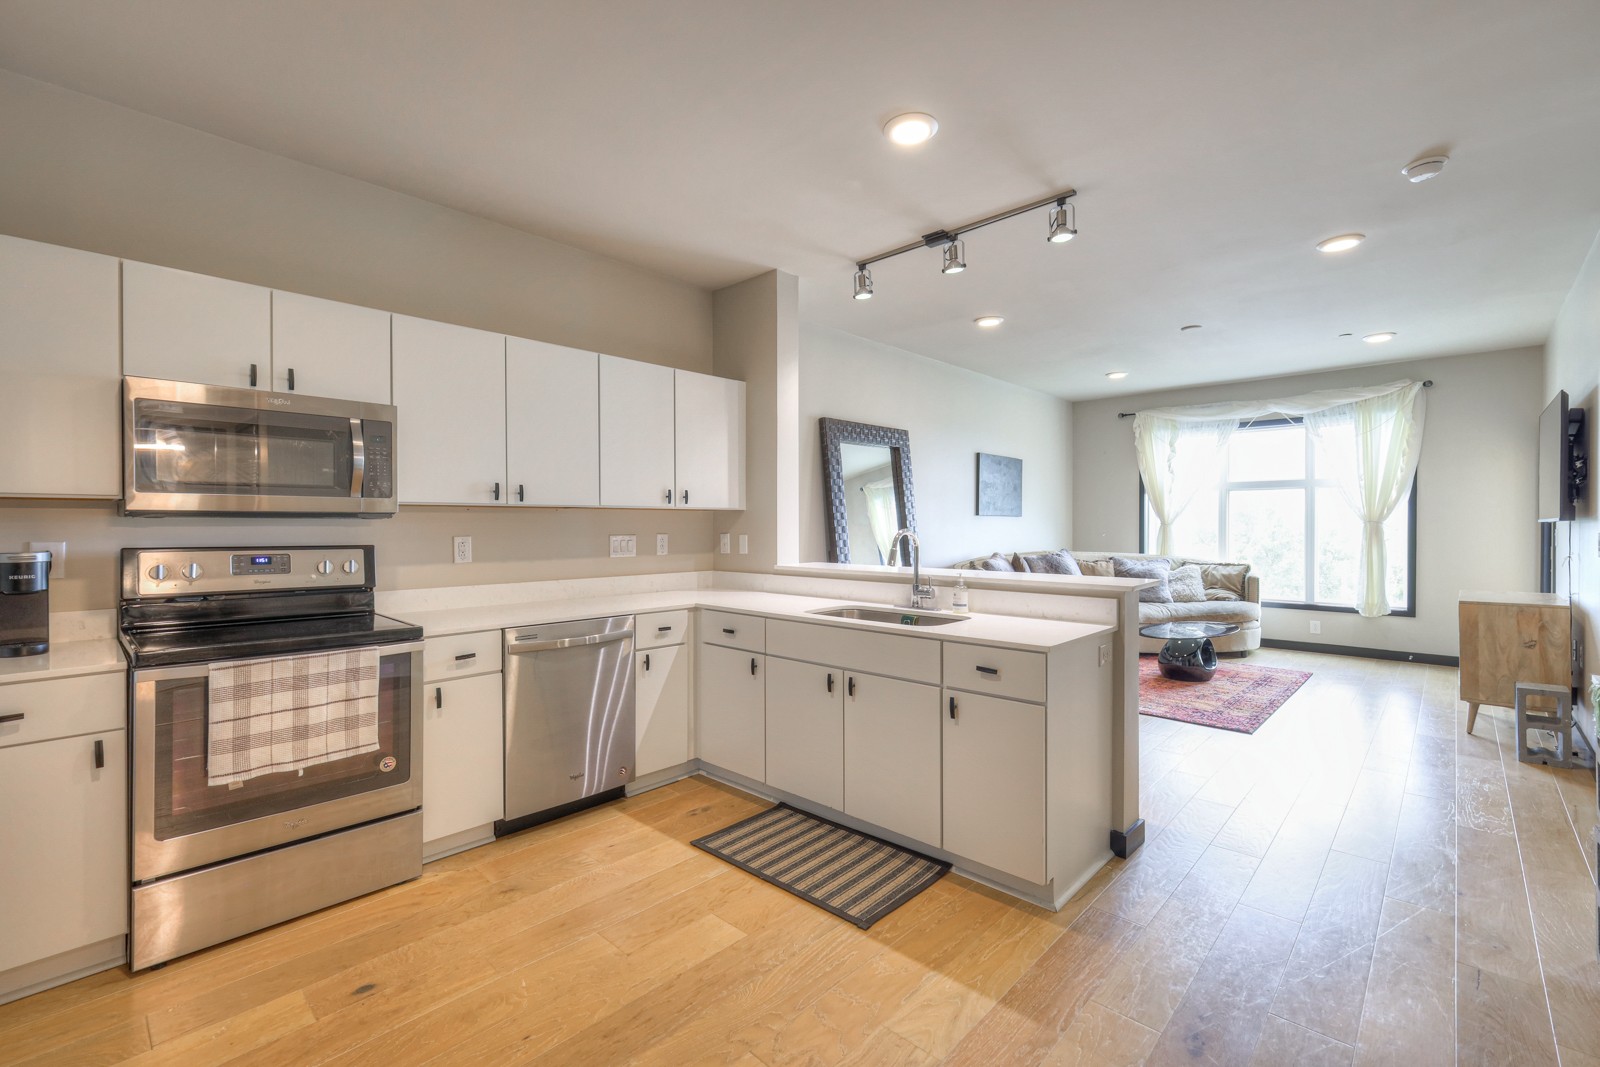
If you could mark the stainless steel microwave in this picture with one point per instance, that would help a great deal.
(209, 450)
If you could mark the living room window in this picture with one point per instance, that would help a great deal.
(1273, 508)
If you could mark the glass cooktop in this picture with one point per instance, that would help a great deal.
(172, 646)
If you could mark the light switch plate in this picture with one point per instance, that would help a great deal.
(744, 544)
(58, 556)
(462, 549)
(623, 545)
(661, 544)
(725, 544)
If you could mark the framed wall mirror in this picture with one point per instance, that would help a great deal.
(866, 480)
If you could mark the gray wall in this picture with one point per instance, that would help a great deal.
(951, 415)
(84, 173)
(1476, 488)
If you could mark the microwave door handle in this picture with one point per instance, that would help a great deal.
(358, 460)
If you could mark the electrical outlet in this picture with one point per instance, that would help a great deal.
(1316, 626)
(623, 545)
(58, 556)
(463, 549)
(661, 544)
(744, 544)
(725, 544)
(1105, 655)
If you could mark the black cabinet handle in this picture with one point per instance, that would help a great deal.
(497, 490)
(830, 683)
(99, 754)
(993, 672)
(15, 716)
(647, 661)
(662, 629)
(952, 707)
(727, 631)
(466, 656)
(850, 685)
(252, 375)
(669, 496)
(291, 379)
(752, 665)
(686, 496)
(438, 696)
(521, 495)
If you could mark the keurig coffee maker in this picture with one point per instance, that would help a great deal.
(24, 603)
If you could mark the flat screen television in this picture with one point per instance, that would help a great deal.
(1562, 465)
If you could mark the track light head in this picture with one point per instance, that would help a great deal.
(1063, 222)
(955, 257)
(863, 283)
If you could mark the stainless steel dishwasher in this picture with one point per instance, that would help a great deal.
(569, 718)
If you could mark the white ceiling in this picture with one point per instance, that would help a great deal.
(1211, 143)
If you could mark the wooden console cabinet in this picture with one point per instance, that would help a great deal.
(1508, 638)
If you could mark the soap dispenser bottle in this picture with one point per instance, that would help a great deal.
(958, 596)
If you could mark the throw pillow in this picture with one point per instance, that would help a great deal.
(1224, 581)
(1050, 563)
(1159, 569)
(1188, 587)
(996, 562)
(1096, 568)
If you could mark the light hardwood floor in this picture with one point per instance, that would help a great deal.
(1358, 882)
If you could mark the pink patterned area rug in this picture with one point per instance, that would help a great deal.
(1240, 696)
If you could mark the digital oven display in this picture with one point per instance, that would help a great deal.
(277, 563)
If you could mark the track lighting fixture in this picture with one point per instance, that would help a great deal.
(1063, 224)
(955, 257)
(863, 282)
(1063, 228)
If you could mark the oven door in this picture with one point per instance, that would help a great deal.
(180, 822)
(210, 449)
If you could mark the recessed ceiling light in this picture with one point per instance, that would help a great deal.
(1191, 326)
(1420, 170)
(988, 322)
(1342, 243)
(1116, 375)
(1379, 338)
(912, 128)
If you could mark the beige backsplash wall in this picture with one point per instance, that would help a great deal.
(413, 548)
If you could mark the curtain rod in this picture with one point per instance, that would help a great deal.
(1130, 414)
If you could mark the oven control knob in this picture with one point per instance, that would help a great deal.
(158, 572)
(352, 566)
(192, 571)
(325, 567)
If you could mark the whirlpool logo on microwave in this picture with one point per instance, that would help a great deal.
(278, 401)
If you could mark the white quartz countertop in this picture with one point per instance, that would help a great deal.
(64, 660)
(1005, 630)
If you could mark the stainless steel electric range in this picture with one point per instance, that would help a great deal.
(275, 741)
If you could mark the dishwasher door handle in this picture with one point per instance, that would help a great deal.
(520, 648)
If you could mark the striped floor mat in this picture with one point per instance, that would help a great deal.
(857, 877)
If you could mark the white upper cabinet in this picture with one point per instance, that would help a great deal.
(62, 434)
(710, 441)
(449, 392)
(636, 434)
(552, 424)
(187, 327)
(325, 348)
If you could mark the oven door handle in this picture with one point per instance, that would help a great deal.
(520, 648)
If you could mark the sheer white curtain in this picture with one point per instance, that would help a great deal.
(881, 514)
(1177, 457)
(1373, 445)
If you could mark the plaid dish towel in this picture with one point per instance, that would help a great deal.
(273, 715)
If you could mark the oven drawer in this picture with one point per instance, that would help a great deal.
(459, 655)
(63, 707)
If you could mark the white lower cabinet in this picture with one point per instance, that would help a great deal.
(661, 719)
(463, 759)
(730, 723)
(805, 730)
(994, 782)
(64, 834)
(891, 754)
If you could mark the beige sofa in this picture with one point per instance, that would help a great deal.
(1233, 595)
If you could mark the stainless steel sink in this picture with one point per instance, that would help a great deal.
(895, 616)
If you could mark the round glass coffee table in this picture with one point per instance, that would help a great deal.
(1188, 655)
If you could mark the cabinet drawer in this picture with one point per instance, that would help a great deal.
(913, 658)
(1002, 672)
(460, 655)
(735, 631)
(659, 629)
(63, 707)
